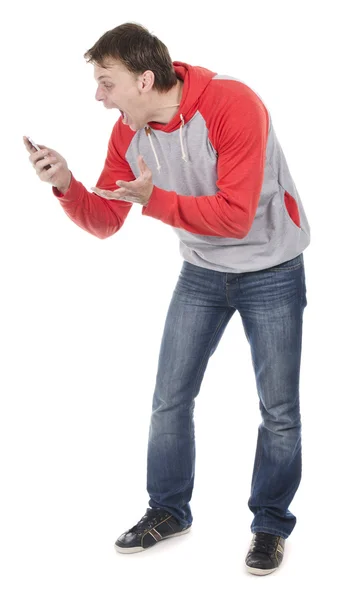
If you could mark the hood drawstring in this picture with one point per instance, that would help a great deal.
(181, 142)
(148, 131)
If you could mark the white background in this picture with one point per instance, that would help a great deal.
(82, 318)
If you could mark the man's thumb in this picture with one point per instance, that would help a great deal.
(142, 164)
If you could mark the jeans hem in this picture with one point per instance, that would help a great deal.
(258, 529)
(181, 522)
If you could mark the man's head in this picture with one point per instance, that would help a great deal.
(134, 73)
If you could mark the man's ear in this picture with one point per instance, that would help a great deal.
(146, 80)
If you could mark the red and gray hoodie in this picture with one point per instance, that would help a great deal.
(221, 180)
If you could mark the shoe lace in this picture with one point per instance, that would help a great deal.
(151, 517)
(264, 542)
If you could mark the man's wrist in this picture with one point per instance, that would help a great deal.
(64, 189)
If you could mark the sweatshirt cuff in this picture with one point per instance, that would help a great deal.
(160, 204)
(73, 191)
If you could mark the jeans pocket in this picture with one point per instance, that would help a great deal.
(289, 265)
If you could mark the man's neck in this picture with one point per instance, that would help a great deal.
(166, 111)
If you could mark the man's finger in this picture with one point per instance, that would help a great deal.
(123, 183)
(108, 193)
(120, 192)
(31, 148)
(99, 192)
(141, 164)
(130, 186)
(144, 168)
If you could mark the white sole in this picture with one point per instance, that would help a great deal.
(139, 549)
(256, 571)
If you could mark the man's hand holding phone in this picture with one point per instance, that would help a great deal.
(49, 165)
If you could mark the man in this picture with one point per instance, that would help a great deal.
(198, 151)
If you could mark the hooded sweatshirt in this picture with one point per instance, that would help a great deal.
(221, 180)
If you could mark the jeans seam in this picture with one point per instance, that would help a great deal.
(258, 464)
(210, 345)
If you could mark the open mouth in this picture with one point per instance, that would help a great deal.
(125, 117)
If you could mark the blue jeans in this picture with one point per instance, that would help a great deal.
(271, 304)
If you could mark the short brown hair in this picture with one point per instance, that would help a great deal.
(139, 51)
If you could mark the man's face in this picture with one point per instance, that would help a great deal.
(118, 88)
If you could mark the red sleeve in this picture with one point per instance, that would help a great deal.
(94, 214)
(238, 123)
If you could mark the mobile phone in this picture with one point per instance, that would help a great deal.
(34, 145)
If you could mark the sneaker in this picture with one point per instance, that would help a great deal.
(265, 553)
(156, 525)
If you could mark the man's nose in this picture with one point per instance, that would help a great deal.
(98, 96)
